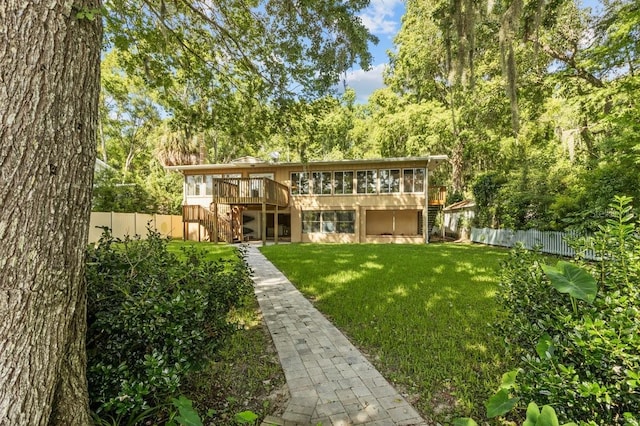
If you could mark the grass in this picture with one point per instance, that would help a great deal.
(245, 374)
(422, 313)
(213, 251)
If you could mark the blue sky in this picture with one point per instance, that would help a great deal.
(382, 18)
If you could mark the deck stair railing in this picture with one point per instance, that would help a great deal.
(207, 220)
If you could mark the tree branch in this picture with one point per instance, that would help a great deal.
(568, 60)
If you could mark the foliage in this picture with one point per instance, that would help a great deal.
(502, 402)
(485, 190)
(579, 352)
(111, 194)
(400, 319)
(153, 318)
(187, 415)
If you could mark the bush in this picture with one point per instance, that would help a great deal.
(582, 358)
(153, 317)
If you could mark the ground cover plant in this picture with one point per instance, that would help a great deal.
(422, 313)
(579, 351)
(162, 319)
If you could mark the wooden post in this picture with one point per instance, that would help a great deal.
(241, 223)
(184, 224)
(264, 223)
(426, 204)
(231, 224)
(275, 226)
(199, 222)
(215, 223)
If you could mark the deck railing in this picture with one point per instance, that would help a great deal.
(250, 191)
(437, 195)
(207, 219)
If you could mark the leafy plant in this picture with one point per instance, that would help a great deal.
(579, 355)
(153, 318)
(502, 402)
(535, 417)
(187, 415)
(246, 417)
(545, 417)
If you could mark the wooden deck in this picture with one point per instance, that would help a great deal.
(437, 195)
(250, 191)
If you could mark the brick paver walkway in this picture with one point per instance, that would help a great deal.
(329, 380)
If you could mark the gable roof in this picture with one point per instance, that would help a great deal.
(461, 205)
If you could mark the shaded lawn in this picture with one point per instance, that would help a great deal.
(213, 251)
(422, 313)
(246, 373)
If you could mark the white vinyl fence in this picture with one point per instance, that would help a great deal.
(122, 224)
(548, 241)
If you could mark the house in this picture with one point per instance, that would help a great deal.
(347, 201)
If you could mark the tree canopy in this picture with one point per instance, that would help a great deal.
(534, 99)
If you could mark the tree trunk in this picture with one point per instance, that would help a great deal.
(457, 166)
(49, 89)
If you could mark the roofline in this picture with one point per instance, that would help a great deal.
(431, 158)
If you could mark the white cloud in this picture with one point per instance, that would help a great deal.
(365, 82)
(380, 17)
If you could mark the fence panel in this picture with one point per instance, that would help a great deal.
(548, 241)
(122, 224)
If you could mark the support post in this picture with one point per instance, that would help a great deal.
(275, 226)
(264, 223)
(185, 225)
(215, 223)
(426, 204)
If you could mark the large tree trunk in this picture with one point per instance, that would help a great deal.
(49, 88)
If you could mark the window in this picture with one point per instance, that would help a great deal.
(343, 183)
(346, 222)
(194, 185)
(208, 179)
(389, 181)
(299, 183)
(413, 180)
(329, 222)
(310, 222)
(366, 182)
(322, 183)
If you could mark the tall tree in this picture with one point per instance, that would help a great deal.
(49, 92)
(49, 89)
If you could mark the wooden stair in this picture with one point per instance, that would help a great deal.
(208, 220)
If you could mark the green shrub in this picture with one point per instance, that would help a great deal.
(153, 317)
(581, 357)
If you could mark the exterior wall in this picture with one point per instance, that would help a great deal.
(406, 222)
(405, 206)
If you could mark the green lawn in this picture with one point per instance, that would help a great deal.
(422, 313)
